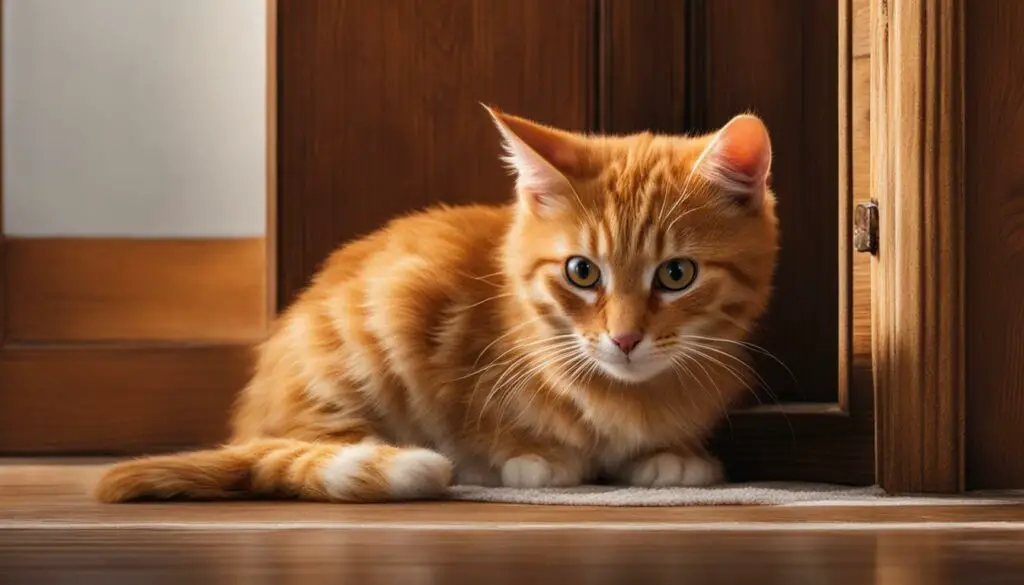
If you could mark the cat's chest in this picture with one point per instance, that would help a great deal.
(623, 429)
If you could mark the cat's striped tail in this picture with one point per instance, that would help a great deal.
(282, 468)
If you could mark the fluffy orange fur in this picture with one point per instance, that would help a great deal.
(593, 328)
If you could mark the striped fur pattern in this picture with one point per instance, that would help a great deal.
(452, 345)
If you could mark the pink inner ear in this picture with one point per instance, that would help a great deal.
(557, 148)
(744, 147)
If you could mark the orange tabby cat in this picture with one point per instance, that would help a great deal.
(591, 329)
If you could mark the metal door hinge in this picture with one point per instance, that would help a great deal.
(865, 228)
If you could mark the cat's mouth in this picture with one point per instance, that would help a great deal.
(632, 372)
(632, 369)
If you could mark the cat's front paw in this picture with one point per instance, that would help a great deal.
(669, 469)
(534, 471)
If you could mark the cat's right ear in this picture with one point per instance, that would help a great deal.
(542, 160)
(738, 160)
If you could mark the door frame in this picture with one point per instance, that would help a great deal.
(129, 397)
(918, 170)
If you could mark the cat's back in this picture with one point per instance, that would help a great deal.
(470, 229)
(436, 243)
(411, 272)
(383, 298)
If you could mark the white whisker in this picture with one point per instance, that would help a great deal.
(716, 394)
(527, 360)
(764, 383)
(746, 345)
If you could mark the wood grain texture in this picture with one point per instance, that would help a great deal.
(117, 400)
(379, 111)
(56, 490)
(844, 189)
(995, 243)
(550, 553)
(539, 556)
(861, 14)
(3, 244)
(270, 272)
(917, 168)
(823, 444)
(785, 70)
(50, 532)
(860, 167)
(858, 76)
(860, 98)
(642, 69)
(79, 289)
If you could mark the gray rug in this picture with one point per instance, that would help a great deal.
(762, 493)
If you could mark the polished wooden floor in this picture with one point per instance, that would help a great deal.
(51, 533)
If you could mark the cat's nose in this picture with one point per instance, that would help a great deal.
(627, 341)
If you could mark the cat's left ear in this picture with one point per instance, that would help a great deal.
(738, 160)
(543, 160)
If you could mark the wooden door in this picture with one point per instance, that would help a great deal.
(118, 338)
(379, 115)
(993, 241)
(117, 345)
(135, 265)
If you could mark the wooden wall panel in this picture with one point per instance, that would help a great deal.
(778, 59)
(995, 243)
(136, 290)
(379, 111)
(117, 400)
(642, 70)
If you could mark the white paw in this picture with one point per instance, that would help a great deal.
(369, 472)
(668, 469)
(533, 471)
(418, 473)
(342, 474)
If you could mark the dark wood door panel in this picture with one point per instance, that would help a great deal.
(642, 68)
(378, 115)
(994, 113)
(778, 60)
(379, 107)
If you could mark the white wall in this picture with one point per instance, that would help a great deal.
(134, 118)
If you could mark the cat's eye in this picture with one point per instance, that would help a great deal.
(676, 274)
(582, 272)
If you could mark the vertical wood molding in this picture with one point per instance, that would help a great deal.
(271, 163)
(917, 169)
(3, 246)
(845, 175)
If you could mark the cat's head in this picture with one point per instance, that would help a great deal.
(637, 251)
